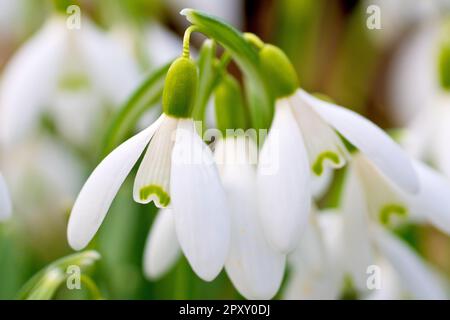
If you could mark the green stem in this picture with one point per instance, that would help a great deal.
(92, 287)
(186, 40)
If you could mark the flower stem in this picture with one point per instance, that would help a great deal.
(186, 40)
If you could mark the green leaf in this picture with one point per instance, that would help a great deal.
(144, 98)
(246, 56)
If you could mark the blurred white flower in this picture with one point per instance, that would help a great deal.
(302, 140)
(186, 167)
(43, 177)
(58, 59)
(399, 15)
(255, 269)
(413, 81)
(321, 264)
(5, 200)
(316, 264)
(370, 200)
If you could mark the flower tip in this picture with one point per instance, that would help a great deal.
(186, 11)
(76, 242)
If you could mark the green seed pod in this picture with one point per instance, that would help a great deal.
(229, 103)
(180, 88)
(278, 71)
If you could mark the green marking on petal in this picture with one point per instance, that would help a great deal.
(147, 191)
(390, 210)
(318, 166)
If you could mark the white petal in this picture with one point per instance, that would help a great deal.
(385, 201)
(255, 269)
(369, 139)
(199, 204)
(111, 68)
(29, 79)
(98, 192)
(162, 249)
(313, 270)
(325, 148)
(417, 277)
(433, 201)
(321, 184)
(152, 181)
(357, 246)
(284, 181)
(5, 200)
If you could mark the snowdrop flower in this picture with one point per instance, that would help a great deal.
(414, 65)
(427, 133)
(177, 169)
(61, 59)
(319, 264)
(5, 201)
(398, 15)
(302, 142)
(255, 269)
(371, 200)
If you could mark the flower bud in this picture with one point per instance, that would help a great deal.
(278, 71)
(180, 88)
(229, 105)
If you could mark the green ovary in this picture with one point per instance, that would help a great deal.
(147, 191)
(317, 167)
(392, 209)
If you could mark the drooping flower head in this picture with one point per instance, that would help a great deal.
(177, 171)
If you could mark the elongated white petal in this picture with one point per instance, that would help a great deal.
(284, 181)
(357, 247)
(111, 69)
(199, 204)
(417, 277)
(162, 249)
(315, 273)
(325, 148)
(369, 139)
(433, 201)
(98, 192)
(29, 79)
(253, 266)
(5, 200)
(153, 177)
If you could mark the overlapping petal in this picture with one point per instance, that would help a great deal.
(162, 249)
(98, 192)
(369, 139)
(284, 181)
(199, 203)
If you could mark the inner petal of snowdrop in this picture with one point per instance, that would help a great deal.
(384, 200)
(325, 148)
(153, 178)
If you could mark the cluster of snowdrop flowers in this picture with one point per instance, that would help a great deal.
(229, 210)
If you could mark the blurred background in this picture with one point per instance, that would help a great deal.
(52, 124)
